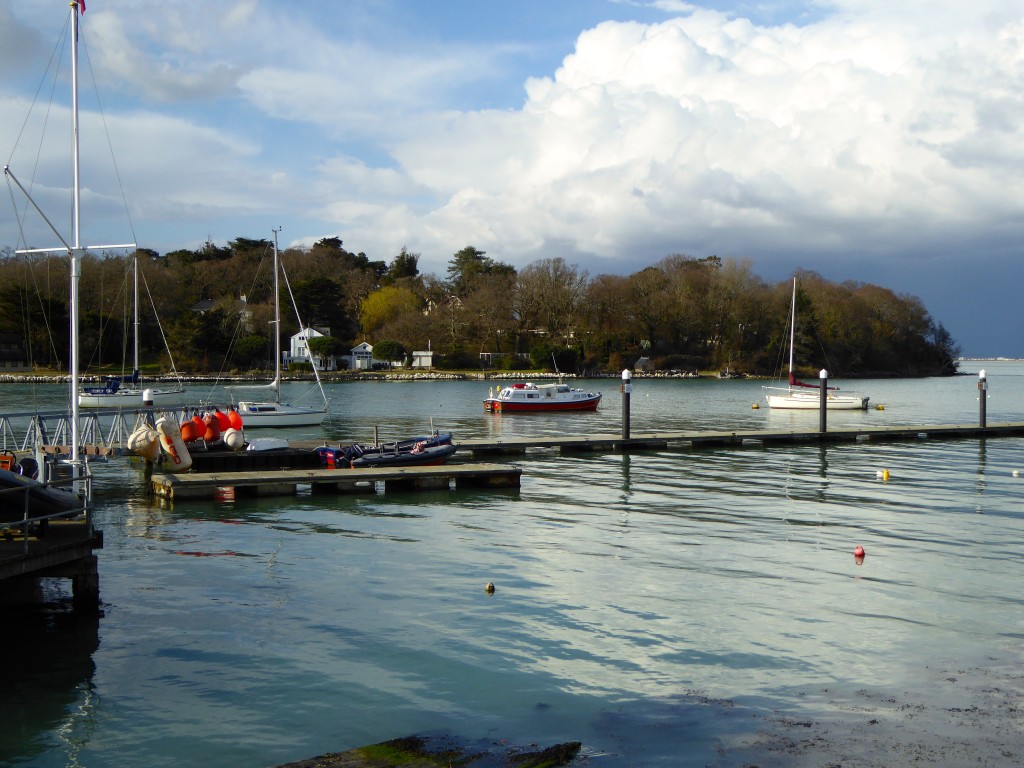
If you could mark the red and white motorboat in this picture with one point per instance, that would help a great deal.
(541, 397)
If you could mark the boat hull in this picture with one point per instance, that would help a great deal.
(496, 405)
(432, 456)
(255, 415)
(416, 452)
(130, 398)
(42, 499)
(811, 401)
(542, 398)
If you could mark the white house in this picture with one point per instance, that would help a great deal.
(361, 357)
(298, 349)
(423, 359)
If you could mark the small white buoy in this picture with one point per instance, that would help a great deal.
(1016, 473)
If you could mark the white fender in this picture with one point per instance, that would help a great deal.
(173, 445)
(233, 438)
(145, 442)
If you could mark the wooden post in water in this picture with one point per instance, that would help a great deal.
(626, 389)
(982, 397)
(823, 401)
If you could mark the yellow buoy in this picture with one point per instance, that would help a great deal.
(879, 407)
(755, 406)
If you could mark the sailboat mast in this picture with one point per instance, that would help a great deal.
(135, 300)
(792, 331)
(76, 265)
(277, 325)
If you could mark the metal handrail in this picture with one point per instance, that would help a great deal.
(26, 520)
(36, 431)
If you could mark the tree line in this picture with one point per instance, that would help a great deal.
(683, 313)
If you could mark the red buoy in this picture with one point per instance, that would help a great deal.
(858, 551)
(212, 429)
(223, 421)
(234, 419)
(189, 433)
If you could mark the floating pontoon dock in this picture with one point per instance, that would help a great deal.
(208, 485)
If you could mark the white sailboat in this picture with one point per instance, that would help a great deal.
(115, 394)
(275, 413)
(799, 395)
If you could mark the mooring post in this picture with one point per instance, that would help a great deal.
(823, 401)
(626, 389)
(147, 403)
(85, 585)
(982, 397)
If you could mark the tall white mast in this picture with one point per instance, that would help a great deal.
(76, 250)
(792, 331)
(277, 325)
(135, 300)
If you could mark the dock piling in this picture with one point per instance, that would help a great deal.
(627, 388)
(823, 401)
(982, 397)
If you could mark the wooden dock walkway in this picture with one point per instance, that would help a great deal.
(284, 475)
(64, 548)
(209, 485)
(641, 441)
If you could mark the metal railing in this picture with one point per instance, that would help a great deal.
(106, 430)
(9, 499)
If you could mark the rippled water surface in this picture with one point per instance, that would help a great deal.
(662, 607)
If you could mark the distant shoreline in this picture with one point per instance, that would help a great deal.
(24, 377)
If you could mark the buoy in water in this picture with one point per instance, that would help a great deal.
(879, 407)
(489, 588)
(858, 551)
(755, 406)
(883, 474)
(1016, 473)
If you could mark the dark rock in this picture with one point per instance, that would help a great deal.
(420, 752)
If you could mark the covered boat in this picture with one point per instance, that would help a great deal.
(417, 451)
(18, 485)
(529, 397)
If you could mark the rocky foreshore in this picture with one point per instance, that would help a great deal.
(329, 376)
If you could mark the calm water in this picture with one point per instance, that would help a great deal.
(664, 608)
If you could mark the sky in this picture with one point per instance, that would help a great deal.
(866, 140)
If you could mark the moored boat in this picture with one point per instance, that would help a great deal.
(528, 397)
(418, 451)
(799, 395)
(114, 395)
(127, 391)
(21, 492)
(275, 413)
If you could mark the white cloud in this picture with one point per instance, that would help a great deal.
(859, 129)
(712, 129)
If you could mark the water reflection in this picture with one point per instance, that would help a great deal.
(980, 483)
(47, 699)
